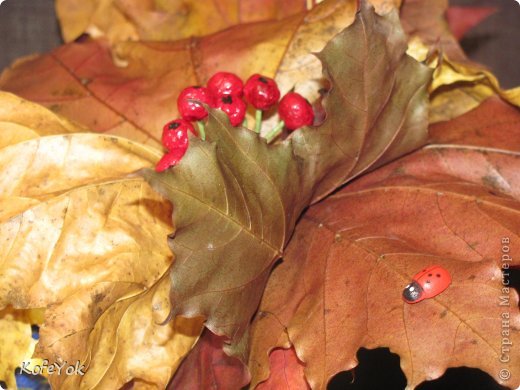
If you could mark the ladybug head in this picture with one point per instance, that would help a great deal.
(412, 292)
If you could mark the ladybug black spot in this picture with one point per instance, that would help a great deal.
(227, 99)
(429, 274)
(438, 275)
(197, 86)
(262, 80)
(174, 125)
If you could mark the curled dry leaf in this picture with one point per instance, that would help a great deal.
(339, 286)
(207, 366)
(82, 237)
(80, 80)
(458, 88)
(237, 199)
(164, 20)
(458, 85)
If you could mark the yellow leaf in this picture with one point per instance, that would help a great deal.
(458, 87)
(21, 120)
(85, 238)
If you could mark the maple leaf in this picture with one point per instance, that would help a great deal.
(339, 286)
(236, 199)
(78, 236)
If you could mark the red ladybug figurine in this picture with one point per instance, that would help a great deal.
(428, 283)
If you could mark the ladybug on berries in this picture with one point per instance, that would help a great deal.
(224, 84)
(428, 283)
(234, 107)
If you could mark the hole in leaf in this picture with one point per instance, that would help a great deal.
(378, 369)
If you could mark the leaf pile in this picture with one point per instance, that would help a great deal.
(84, 238)
(237, 199)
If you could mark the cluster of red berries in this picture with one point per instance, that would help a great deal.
(226, 91)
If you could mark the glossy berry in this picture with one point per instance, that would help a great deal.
(428, 283)
(175, 134)
(192, 111)
(170, 159)
(262, 92)
(224, 83)
(234, 107)
(295, 111)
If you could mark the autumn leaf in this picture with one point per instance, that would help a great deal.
(79, 237)
(340, 283)
(207, 366)
(165, 20)
(21, 120)
(458, 85)
(493, 124)
(237, 199)
(137, 94)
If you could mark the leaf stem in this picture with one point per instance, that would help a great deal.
(202, 131)
(258, 121)
(275, 132)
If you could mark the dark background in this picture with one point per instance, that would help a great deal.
(30, 26)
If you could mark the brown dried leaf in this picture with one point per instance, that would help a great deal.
(339, 286)
(79, 236)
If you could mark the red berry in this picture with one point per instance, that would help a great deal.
(234, 107)
(224, 83)
(262, 92)
(170, 159)
(190, 110)
(295, 111)
(175, 134)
